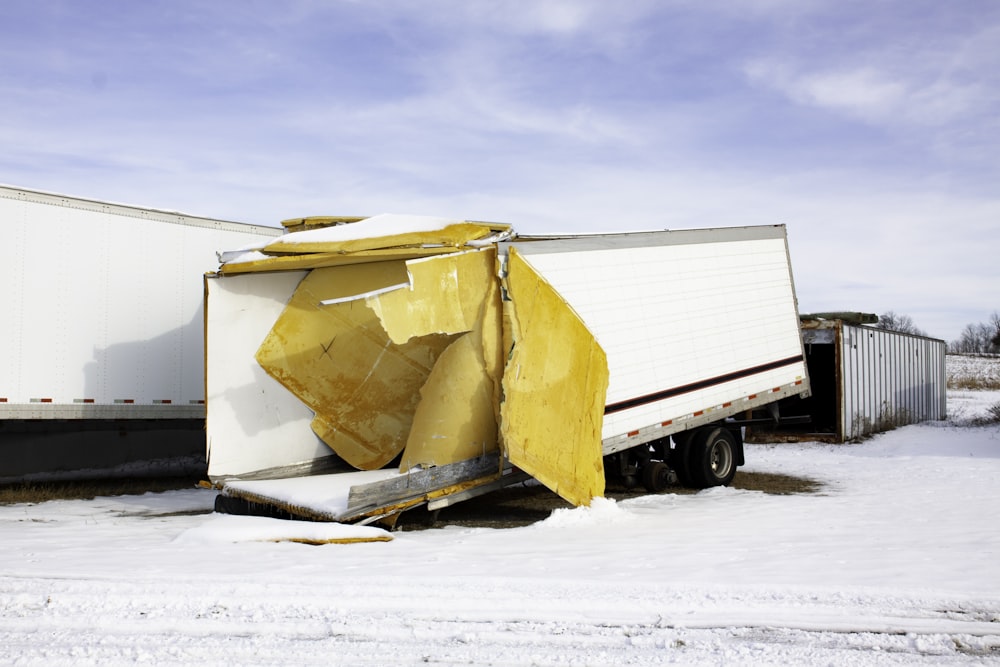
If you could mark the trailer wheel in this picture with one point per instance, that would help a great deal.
(656, 476)
(678, 458)
(712, 459)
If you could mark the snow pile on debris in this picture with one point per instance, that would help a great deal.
(262, 529)
(386, 224)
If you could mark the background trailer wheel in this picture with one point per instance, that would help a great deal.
(713, 457)
(656, 476)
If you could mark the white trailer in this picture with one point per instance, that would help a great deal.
(636, 355)
(699, 326)
(102, 325)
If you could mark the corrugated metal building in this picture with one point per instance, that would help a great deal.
(864, 381)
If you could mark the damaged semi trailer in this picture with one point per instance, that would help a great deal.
(360, 368)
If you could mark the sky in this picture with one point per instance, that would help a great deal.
(870, 129)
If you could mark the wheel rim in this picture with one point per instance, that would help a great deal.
(720, 458)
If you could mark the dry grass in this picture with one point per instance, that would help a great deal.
(40, 492)
(780, 485)
(973, 383)
(992, 416)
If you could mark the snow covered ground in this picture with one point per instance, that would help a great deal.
(896, 561)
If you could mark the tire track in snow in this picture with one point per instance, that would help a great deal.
(108, 621)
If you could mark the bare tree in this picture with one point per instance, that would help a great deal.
(969, 342)
(892, 321)
(982, 338)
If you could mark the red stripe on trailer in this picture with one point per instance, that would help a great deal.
(726, 405)
(701, 384)
(633, 433)
(3, 399)
(667, 423)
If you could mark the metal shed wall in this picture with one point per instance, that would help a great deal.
(888, 379)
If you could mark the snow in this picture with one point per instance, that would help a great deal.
(378, 226)
(225, 528)
(895, 561)
(975, 370)
(386, 224)
(325, 494)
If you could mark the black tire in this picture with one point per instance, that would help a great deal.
(656, 476)
(712, 459)
(678, 459)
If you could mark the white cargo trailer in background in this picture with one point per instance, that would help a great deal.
(102, 331)
(655, 347)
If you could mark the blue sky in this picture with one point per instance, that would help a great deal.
(871, 129)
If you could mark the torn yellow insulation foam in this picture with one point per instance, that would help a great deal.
(447, 295)
(340, 362)
(555, 384)
(456, 418)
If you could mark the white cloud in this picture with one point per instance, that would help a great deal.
(920, 71)
(864, 92)
(556, 17)
(869, 94)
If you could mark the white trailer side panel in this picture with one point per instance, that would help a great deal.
(102, 307)
(697, 325)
